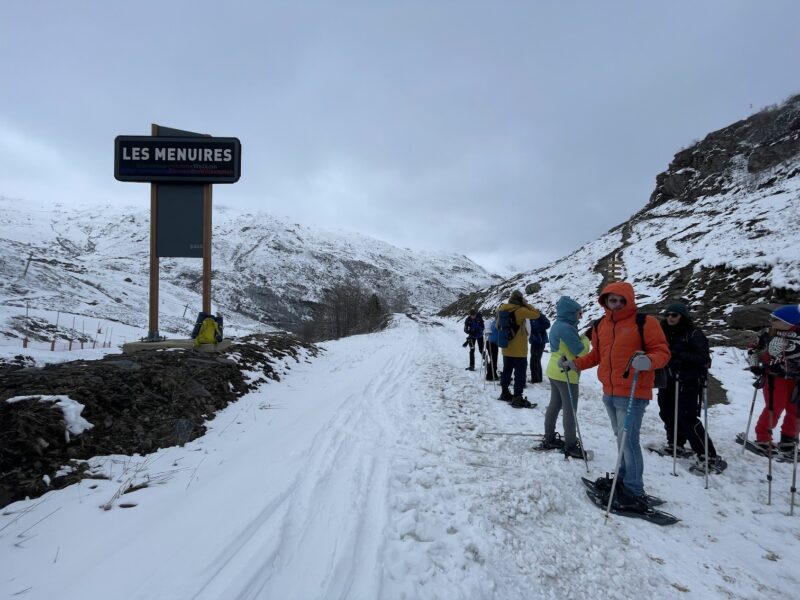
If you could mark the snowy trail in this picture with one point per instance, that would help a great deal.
(365, 474)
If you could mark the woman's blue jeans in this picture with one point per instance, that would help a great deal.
(631, 470)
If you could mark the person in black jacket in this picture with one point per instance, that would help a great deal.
(473, 327)
(537, 340)
(688, 369)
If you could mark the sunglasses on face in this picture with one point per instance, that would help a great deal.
(672, 315)
(615, 301)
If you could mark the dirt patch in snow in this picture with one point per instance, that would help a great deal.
(136, 403)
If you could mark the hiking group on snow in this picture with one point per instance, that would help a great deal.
(635, 354)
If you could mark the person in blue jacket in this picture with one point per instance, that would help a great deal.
(567, 342)
(537, 339)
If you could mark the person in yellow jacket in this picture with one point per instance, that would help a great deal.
(515, 355)
(565, 340)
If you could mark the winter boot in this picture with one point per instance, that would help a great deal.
(505, 395)
(551, 443)
(521, 402)
(786, 445)
(470, 368)
(715, 464)
(574, 451)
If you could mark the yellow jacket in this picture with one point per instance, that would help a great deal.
(518, 347)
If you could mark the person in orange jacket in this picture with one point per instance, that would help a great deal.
(616, 349)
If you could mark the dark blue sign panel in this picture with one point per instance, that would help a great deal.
(177, 159)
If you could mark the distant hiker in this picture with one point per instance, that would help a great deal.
(492, 351)
(777, 356)
(616, 349)
(515, 346)
(688, 370)
(565, 341)
(473, 327)
(537, 339)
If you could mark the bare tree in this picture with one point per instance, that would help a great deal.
(346, 309)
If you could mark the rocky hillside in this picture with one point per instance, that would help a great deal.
(94, 263)
(720, 229)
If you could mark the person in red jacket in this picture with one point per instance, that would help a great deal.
(616, 350)
(777, 356)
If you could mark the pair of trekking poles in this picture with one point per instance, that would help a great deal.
(675, 427)
(770, 383)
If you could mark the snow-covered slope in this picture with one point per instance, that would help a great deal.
(94, 262)
(720, 230)
(376, 472)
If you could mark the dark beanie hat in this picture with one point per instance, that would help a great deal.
(516, 297)
(679, 308)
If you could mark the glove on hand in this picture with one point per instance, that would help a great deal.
(641, 362)
(757, 371)
(565, 364)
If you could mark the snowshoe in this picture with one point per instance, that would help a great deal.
(522, 402)
(668, 450)
(716, 465)
(505, 395)
(548, 444)
(762, 449)
(576, 451)
(602, 487)
(638, 510)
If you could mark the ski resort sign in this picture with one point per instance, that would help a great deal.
(181, 167)
(177, 159)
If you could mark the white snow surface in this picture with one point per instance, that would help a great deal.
(370, 472)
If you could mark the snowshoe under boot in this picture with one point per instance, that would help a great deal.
(716, 465)
(521, 402)
(576, 451)
(553, 443)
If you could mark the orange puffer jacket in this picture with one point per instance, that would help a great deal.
(618, 339)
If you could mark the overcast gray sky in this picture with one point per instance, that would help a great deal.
(510, 132)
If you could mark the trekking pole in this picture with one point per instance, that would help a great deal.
(757, 384)
(794, 476)
(794, 399)
(705, 423)
(513, 433)
(770, 396)
(575, 418)
(623, 437)
(675, 428)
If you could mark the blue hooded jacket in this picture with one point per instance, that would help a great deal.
(565, 330)
(566, 326)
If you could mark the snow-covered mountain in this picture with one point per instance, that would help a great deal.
(720, 229)
(94, 262)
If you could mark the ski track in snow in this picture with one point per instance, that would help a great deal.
(366, 474)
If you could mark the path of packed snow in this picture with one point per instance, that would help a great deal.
(367, 473)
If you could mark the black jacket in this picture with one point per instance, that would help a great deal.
(689, 348)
